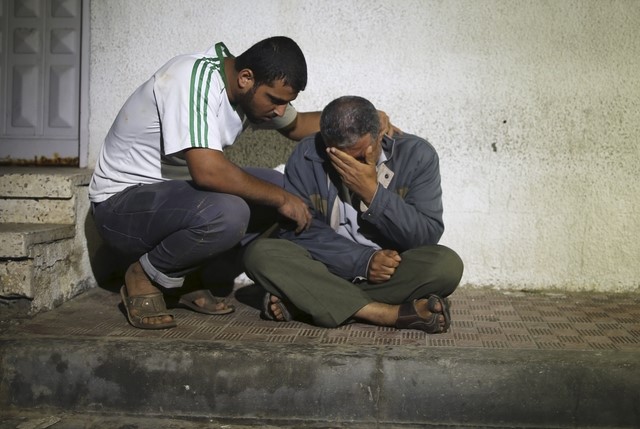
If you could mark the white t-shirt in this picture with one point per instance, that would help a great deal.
(182, 106)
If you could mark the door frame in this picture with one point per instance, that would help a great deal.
(82, 101)
(85, 64)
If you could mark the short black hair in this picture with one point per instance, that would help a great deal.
(273, 59)
(346, 119)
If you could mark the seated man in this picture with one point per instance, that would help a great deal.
(371, 252)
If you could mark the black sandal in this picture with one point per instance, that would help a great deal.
(267, 313)
(408, 317)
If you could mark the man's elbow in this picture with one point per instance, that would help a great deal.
(203, 180)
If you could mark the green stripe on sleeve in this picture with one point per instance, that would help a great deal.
(205, 111)
(201, 75)
(192, 103)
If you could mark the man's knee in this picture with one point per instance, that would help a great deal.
(263, 252)
(444, 266)
(253, 254)
(450, 267)
(225, 218)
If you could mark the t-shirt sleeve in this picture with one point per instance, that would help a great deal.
(188, 97)
(279, 122)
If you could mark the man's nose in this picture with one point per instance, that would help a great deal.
(280, 109)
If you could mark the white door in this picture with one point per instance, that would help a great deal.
(40, 58)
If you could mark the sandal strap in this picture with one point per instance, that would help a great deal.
(200, 293)
(149, 305)
(432, 301)
(408, 318)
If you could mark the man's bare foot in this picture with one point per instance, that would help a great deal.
(274, 308)
(429, 315)
(203, 301)
(137, 283)
(422, 308)
(218, 305)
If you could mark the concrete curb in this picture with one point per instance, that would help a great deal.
(289, 383)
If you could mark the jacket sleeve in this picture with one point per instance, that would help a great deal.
(340, 255)
(412, 215)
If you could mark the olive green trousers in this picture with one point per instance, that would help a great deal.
(287, 271)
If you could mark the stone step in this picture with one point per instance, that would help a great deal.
(16, 279)
(44, 218)
(83, 357)
(41, 182)
(38, 211)
(42, 195)
(32, 257)
(17, 239)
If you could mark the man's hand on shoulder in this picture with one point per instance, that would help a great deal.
(386, 127)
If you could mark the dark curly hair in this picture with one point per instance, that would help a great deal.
(273, 59)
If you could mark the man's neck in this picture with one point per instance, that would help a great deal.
(230, 78)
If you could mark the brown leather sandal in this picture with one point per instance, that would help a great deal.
(148, 305)
(408, 317)
(187, 301)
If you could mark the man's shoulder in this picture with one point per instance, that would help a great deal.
(409, 138)
(184, 65)
(310, 144)
(310, 148)
(189, 74)
(406, 142)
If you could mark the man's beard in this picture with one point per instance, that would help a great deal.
(244, 102)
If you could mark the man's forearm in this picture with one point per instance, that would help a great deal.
(306, 123)
(210, 170)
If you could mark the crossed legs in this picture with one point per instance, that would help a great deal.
(287, 271)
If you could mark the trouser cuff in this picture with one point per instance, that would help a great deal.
(158, 277)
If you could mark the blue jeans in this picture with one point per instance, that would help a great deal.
(173, 227)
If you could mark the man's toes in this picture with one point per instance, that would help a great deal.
(277, 312)
(157, 320)
(200, 302)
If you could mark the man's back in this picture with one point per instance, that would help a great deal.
(160, 119)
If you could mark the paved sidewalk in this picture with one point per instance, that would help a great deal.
(511, 359)
(482, 319)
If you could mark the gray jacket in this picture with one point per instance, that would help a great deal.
(405, 213)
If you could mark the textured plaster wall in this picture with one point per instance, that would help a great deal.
(534, 107)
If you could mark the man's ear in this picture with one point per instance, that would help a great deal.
(245, 79)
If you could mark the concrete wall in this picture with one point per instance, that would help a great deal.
(534, 107)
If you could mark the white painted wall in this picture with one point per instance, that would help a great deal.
(534, 107)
